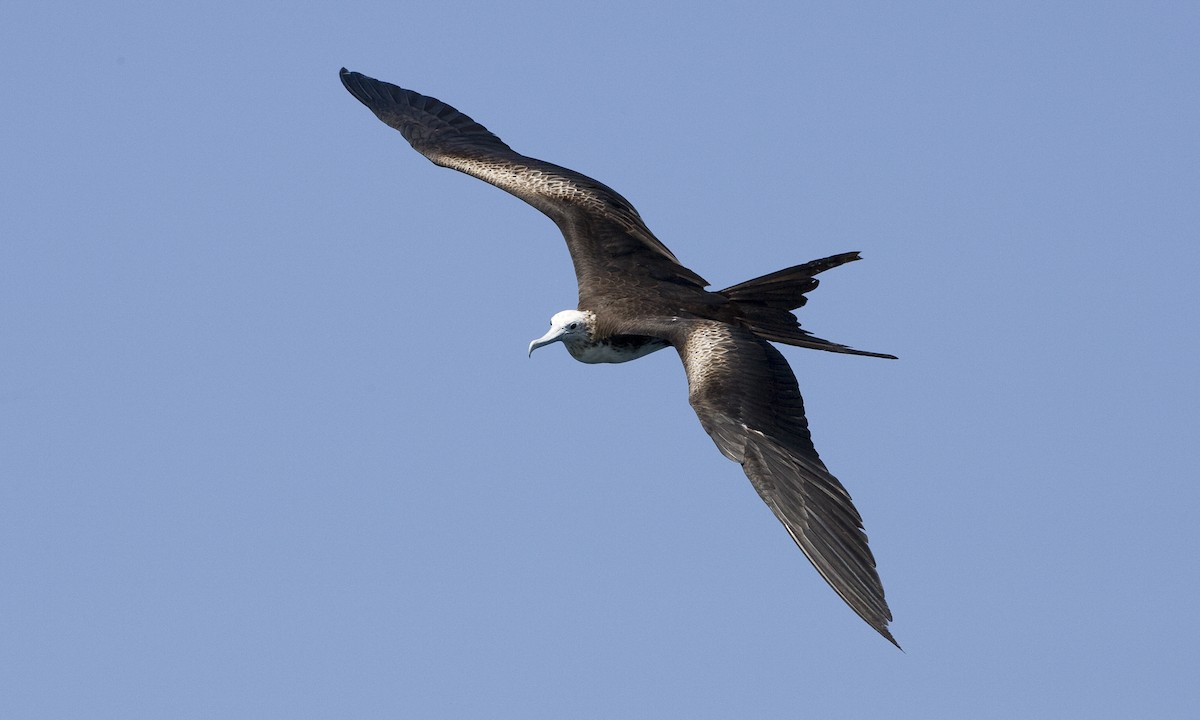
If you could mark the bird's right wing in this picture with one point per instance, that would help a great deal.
(609, 243)
(747, 399)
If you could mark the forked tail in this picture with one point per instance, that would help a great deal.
(765, 303)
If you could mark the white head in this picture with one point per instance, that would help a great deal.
(568, 326)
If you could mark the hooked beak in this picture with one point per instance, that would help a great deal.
(554, 335)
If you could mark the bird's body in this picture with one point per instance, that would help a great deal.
(635, 298)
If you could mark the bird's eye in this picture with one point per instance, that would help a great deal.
(573, 326)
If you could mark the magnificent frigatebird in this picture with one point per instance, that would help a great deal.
(636, 298)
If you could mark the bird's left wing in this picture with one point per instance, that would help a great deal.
(747, 399)
(609, 244)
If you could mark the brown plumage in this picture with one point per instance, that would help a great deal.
(635, 297)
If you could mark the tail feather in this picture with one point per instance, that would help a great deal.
(765, 303)
(785, 289)
(802, 338)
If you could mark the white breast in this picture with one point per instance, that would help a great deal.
(606, 352)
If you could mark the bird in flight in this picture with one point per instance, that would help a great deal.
(635, 298)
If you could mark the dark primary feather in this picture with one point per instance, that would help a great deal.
(742, 389)
(610, 245)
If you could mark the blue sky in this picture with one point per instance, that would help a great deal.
(272, 448)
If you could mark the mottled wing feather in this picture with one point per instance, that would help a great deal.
(609, 244)
(747, 399)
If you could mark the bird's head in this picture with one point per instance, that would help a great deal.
(568, 326)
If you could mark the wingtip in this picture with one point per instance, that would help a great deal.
(888, 636)
(359, 85)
